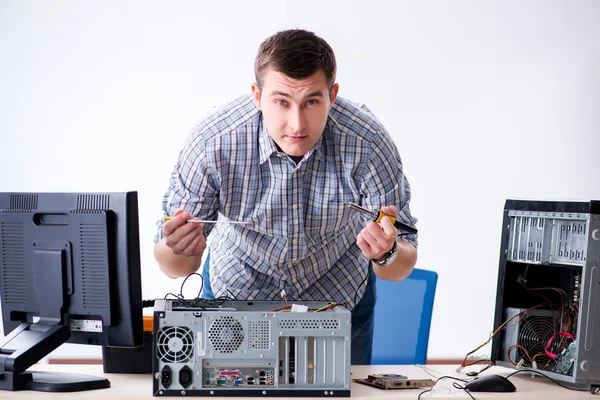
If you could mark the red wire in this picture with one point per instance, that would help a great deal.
(547, 348)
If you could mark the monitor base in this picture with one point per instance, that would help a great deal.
(51, 381)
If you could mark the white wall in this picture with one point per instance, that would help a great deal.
(485, 100)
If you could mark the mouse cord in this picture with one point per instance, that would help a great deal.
(532, 371)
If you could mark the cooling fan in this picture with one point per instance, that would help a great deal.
(226, 334)
(175, 344)
(534, 333)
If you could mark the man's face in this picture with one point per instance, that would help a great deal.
(294, 111)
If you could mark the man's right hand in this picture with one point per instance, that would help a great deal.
(184, 239)
(179, 252)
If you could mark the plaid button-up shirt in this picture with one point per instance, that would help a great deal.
(300, 236)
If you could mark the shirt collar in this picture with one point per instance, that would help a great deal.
(266, 145)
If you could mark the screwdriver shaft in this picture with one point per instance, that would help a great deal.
(167, 219)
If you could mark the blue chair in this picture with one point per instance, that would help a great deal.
(403, 318)
(207, 292)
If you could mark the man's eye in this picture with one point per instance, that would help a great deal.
(312, 102)
(281, 102)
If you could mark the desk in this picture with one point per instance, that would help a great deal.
(134, 386)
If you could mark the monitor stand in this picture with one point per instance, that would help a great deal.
(28, 344)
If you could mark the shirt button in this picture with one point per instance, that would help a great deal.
(295, 206)
(295, 241)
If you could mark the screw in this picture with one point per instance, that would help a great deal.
(183, 392)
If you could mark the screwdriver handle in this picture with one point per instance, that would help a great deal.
(379, 216)
(399, 225)
(168, 218)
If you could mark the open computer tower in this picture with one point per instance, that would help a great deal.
(547, 314)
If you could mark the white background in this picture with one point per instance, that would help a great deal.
(486, 100)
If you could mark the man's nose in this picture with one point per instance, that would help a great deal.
(296, 120)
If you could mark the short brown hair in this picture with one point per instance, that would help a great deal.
(296, 53)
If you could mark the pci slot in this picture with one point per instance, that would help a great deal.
(297, 360)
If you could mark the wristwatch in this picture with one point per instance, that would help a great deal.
(388, 257)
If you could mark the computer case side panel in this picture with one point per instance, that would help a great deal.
(588, 346)
(498, 316)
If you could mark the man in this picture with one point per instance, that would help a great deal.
(285, 159)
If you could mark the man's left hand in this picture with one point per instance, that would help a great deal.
(377, 238)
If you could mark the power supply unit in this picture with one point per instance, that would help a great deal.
(251, 348)
(547, 299)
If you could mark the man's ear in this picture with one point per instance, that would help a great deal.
(333, 93)
(256, 95)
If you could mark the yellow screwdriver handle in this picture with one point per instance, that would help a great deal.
(380, 215)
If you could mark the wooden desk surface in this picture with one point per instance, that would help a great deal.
(136, 386)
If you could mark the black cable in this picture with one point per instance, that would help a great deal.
(370, 266)
(186, 278)
(232, 295)
(454, 384)
(359, 286)
(532, 371)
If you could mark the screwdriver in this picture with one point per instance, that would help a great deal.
(377, 215)
(168, 218)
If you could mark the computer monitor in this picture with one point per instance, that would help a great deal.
(69, 272)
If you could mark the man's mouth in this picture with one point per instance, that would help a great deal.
(295, 138)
